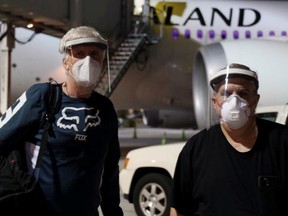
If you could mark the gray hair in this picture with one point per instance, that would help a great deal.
(81, 35)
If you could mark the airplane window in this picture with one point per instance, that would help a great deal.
(268, 116)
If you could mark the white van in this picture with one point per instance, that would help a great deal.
(274, 113)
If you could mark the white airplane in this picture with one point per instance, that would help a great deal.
(168, 79)
(197, 38)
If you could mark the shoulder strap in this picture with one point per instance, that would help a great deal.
(53, 107)
(54, 101)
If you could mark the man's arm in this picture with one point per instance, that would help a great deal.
(173, 212)
(110, 190)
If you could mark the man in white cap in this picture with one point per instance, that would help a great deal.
(238, 167)
(79, 171)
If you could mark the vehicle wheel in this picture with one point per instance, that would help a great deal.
(152, 194)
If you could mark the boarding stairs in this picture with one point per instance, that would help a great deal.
(119, 62)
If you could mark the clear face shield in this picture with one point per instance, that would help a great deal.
(216, 81)
(103, 45)
(231, 103)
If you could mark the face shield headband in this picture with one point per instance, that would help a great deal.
(100, 41)
(226, 73)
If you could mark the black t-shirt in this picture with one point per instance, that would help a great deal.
(82, 153)
(214, 179)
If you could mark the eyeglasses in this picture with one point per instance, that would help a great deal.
(82, 51)
(222, 96)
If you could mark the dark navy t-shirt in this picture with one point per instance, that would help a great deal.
(82, 153)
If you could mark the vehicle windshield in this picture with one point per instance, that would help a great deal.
(271, 116)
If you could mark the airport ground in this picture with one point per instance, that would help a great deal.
(141, 136)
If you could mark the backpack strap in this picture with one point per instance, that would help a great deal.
(53, 107)
(54, 101)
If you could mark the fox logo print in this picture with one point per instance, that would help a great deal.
(79, 119)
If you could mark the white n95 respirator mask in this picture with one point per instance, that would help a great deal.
(86, 71)
(235, 112)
